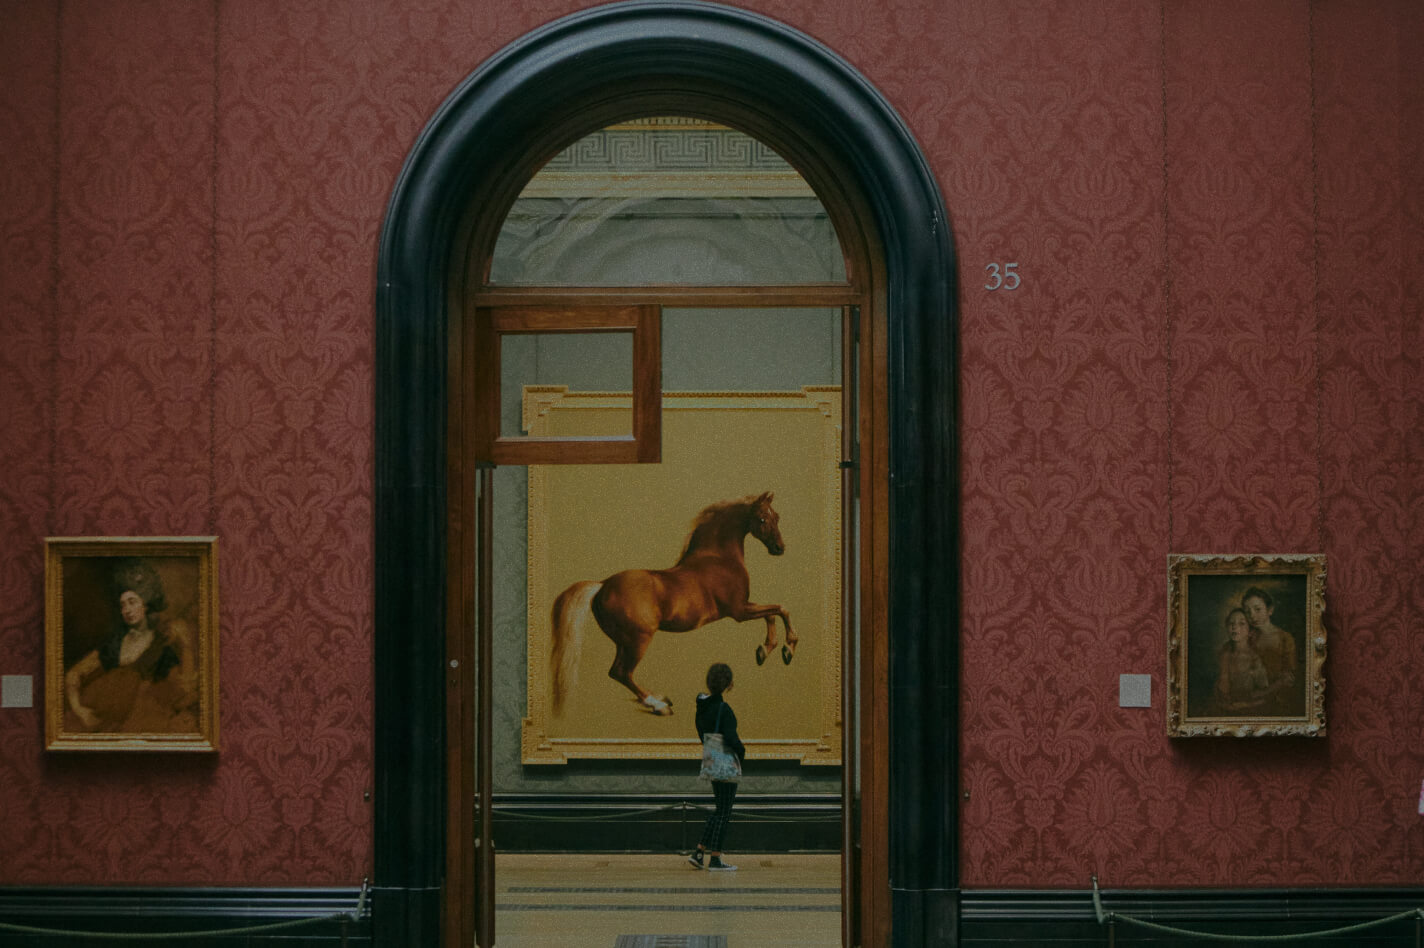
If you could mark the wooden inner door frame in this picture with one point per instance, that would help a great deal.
(470, 859)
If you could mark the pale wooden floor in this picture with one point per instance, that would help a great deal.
(588, 900)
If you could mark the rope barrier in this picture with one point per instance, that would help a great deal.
(516, 811)
(1106, 916)
(356, 915)
(744, 816)
(549, 818)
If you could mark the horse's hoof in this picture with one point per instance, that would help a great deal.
(761, 655)
(786, 654)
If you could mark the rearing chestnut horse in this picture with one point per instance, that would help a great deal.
(708, 583)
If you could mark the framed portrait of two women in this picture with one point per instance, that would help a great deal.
(131, 644)
(1246, 645)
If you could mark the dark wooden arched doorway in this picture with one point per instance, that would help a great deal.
(801, 97)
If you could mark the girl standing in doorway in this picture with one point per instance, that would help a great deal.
(715, 716)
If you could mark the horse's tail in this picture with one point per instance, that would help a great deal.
(571, 612)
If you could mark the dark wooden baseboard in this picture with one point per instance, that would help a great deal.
(662, 822)
(171, 910)
(1063, 918)
(987, 918)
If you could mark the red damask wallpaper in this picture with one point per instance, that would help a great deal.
(1218, 217)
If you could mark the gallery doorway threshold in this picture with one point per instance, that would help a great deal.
(582, 900)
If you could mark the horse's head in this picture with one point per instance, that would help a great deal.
(765, 525)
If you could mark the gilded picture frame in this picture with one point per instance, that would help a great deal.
(131, 644)
(588, 522)
(1246, 645)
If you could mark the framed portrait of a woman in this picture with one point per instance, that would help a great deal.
(131, 643)
(1246, 645)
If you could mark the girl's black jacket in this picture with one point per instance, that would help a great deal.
(707, 706)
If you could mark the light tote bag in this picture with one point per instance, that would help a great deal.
(718, 763)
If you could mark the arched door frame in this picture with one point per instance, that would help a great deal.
(588, 58)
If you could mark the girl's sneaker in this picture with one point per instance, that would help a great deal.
(695, 857)
(717, 865)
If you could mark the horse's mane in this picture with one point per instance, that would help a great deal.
(715, 512)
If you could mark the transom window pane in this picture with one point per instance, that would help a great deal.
(667, 201)
(559, 363)
(762, 349)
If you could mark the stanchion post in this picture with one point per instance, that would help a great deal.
(1112, 932)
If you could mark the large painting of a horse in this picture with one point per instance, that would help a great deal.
(638, 577)
(708, 582)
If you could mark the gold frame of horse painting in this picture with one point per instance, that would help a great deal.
(131, 644)
(1246, 645)
(622, 627)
